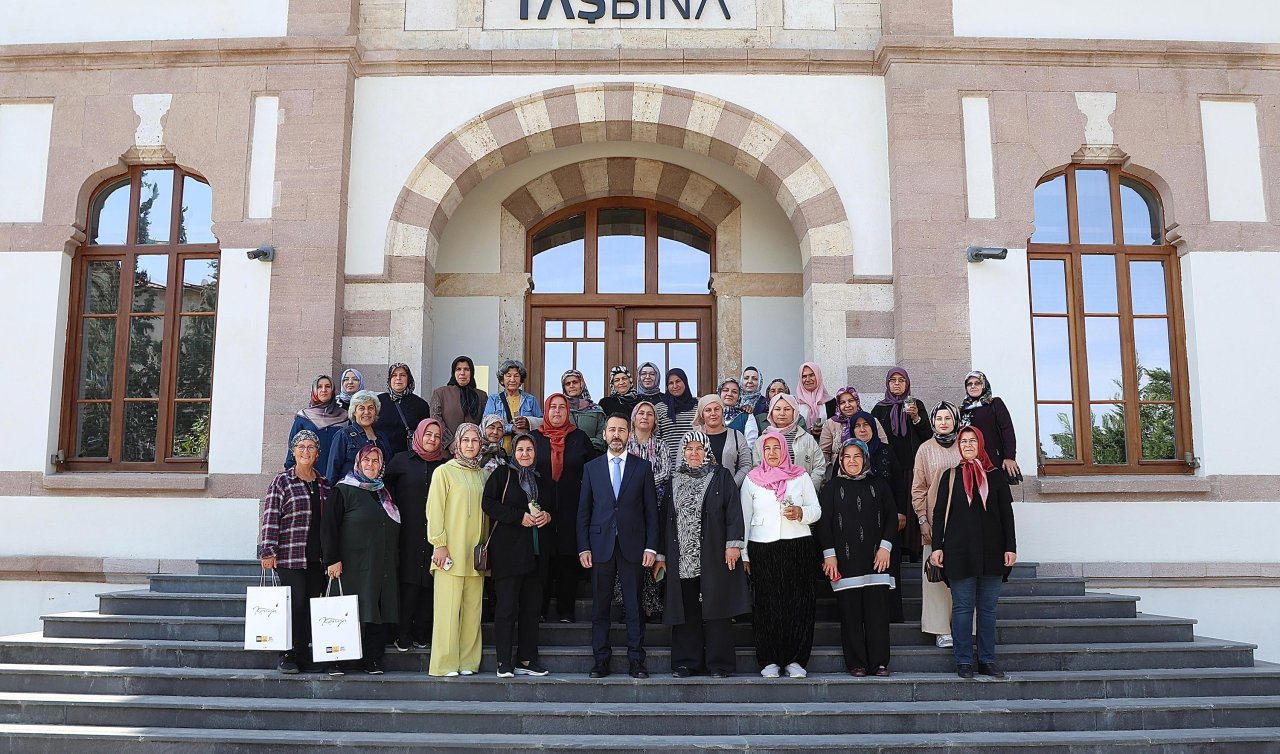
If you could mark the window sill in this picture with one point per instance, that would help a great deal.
(126, 481)
(1104, 484)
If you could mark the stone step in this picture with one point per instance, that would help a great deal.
(640, 718)
(216, 605)
(92, 625)
(1262, 679)
(1199, 653)
(69, 739)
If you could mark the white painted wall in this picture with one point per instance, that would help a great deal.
(1249, 615)
(25, 601)
(999, 292)
(773, 356)
(33, 292)
(979, 167)
(127, 527)
(465, 326)
(25, 130)
(1191, 20)
(841, 119)
(239, 364)
(125, 20)
(1233, 163)
(1232, 352)
(262, 156)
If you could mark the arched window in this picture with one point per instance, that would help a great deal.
(139, 377)
(1106, 315)
(620, 281)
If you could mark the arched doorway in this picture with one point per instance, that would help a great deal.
(620, 280)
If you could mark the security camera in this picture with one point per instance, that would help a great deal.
(262, 253)
(980, 253)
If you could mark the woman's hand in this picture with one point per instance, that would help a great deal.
(881, 563)
(1010, 558)
(912, 411)
(746, 566)
(440, 555)
(792, 512)
(902, 522)
(1011, 468)
(830, 569)
(542, 519)
(334, 571)
(936, 558)
(658, 568)
(926, 533)
(731, 556)
(529, 521)
(269, 563)
(520, 424)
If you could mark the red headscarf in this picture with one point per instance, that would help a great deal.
(556, 435)
(418, 446)
(775, 477)
(975, 471)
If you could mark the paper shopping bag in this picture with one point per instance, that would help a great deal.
(335, 627)
(268, 617)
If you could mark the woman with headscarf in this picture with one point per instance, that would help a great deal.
(350, 383)
(989, 414)
(682, 407)
(779, 503)
(728, 447)
(289, 539)
(455, 525)
(519, 410)
(908, 427)
(583, 412)
(735, 415)
(884, 465)
(361, 541)
(645, 443)
(976, 549)
(816, 404)
(458, 401)
(776, 387)
(408, 476)
(935, 456)
(703, 535)
(401, 408)
(622, 397)
(562, 451)
(322, 417)
(493, 442)
(838, 429)
(802, 449)
(518, 557)
(857, 532)
(351, 438)
(751, 400)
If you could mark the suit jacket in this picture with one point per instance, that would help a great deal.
(630, 520)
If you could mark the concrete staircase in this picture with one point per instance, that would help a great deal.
(162, 670)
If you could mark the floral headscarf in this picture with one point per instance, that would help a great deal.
(396, 395)
(583, 402)
(357, 478)
(866, 459)
(970, 405)
(466, 463)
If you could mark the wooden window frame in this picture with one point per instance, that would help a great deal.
(166, 400)
(1072, 253)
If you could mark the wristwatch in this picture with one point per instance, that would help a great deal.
(922, 520)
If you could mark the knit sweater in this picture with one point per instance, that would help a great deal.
(932, 460)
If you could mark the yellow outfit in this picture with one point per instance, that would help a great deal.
(455, 520)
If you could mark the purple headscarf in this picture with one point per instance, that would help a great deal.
(898, 421)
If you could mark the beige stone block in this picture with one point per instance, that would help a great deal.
(545, 192)
(595, 177)
(381, 296)
(646, 103)
(407, 240)
(648, 174)
(697, 191)
(808, 181)
(431, 182)
(853, 297)
(366, 350)
(835, 240)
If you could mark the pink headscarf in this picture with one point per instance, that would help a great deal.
(418, 443)
(776, 477)
(812, 400)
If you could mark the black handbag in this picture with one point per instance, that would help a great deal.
(932, 572)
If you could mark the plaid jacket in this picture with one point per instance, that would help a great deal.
(285, 517)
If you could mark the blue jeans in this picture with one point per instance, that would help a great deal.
(980, 593)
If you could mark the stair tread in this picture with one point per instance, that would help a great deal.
(1023, 598)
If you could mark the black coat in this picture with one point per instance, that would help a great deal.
(562, 496)
(996, 425)
(511, 546)
(615, 404)
(398, 419)
(975, 538)
(903, 448)
(857, 514)
(357, 532)
(724, 592)
(409, 478)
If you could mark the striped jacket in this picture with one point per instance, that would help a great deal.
(285, 517)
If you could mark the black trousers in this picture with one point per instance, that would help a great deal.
(783, 611)
(373, 641)
(631, 575)
(864, 626)
(303, 583)
(895, 595)
(417, 603)
(561, 582)
(697, 639)
(516, 615)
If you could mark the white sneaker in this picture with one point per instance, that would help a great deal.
(451, 674)
(795, 671)
(944, 641)
(468, 672)
(771, 671)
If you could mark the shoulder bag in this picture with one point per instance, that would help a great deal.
(480, 555)
(932, 572)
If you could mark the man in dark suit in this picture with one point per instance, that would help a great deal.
(617, 537)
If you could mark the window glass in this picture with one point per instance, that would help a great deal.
(97, 358)
(146, 346)
(93, 430)
(155, 207)
(1159, 431)
(684, 257)
(1139, 213)
(685, 356)
(1099, 271)
(195, 357)
(656, 353)
(191, 429)
(102, 287)
(195, 222)
(1052, 358)
(1093, 205)
(1151, 341)
(1057, 432)
(1102, 348)
(1110, 441)
(1048, 286)
(558, 256)
(150, 276)
(620, 251)
(140, 419)
(109, 215)
(1146, 279)
(200, 285)
(1050, 201)
(591, 363)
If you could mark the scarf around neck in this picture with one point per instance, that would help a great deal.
(470, 394)
(974, 471)
(948, 439)
(613, 390)
(775, 478)
(846, 422)
(356, 478)
(653, 450)
(899, 423)
(343, 395)
(656, 390)
(472, 464)
(556, 435)
(866, 459)
(795, 406)
(746, 399)
(679, 404)
(873, 447)
(583, 402)
(323, 414)
(708, 459)
(969, 405)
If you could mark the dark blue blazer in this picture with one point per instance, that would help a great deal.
(631, 519)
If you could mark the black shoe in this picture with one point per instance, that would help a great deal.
(882, 671)
(402, 645)
(600, 670)
(505, 671)
(373, 667)
(858, 672)
(638, 671)
(566, 619)
(720, 674)
(532, 668)
(420, 644)
(964, 671)
(990, 669)
(336, 672)
(288, 666)
(683, 671)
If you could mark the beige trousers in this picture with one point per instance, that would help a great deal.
(935, 613)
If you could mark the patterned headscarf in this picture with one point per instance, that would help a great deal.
(708, 460)
(396, 395)
(466, 463)
(750, 399)
(948, 439)
(866, 459)
(323, 414)
(653, 450)
(846, 422)
(583, 402)
(899, 424)
(970, 405)
(357, 478)
(620, 369)
(731, 411)
(304, 434)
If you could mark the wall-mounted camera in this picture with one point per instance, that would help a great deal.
(262, 253)
(982, 253)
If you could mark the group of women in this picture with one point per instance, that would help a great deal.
(762, 494)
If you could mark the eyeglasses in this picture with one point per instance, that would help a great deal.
(969, 441)
(973, 383)
(308, 448)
